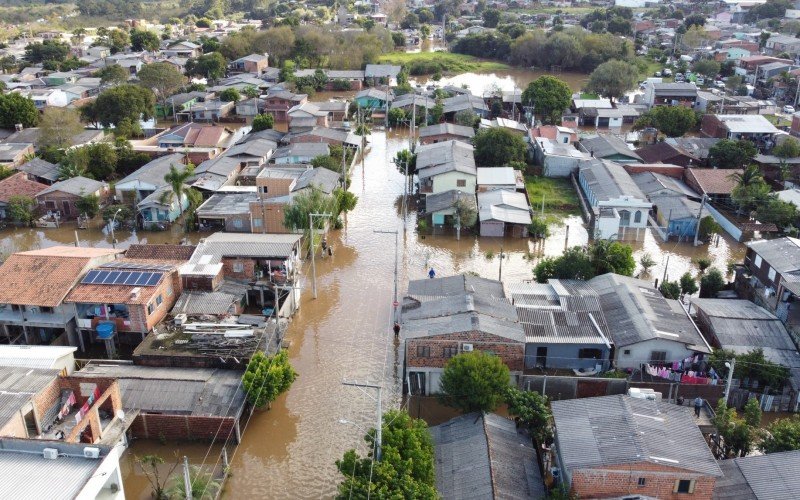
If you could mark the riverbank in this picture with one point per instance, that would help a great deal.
(429, 63)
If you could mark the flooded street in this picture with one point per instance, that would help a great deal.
(345, 334)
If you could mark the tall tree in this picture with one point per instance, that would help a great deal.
(267, 377)
(674, 121)
(211, 66)
(406, 468)
(17, 109)
(532, 410)
(474, 381)
(144, 40)
(263, 122)
(728, 153)
(21, 209)
(751, 189)
(176, 178)
(113, 74)
(612, 79)
(48, 50)
(711, 283)
(496, 147)
(58, 126)
(162, 78)
(312, 202)
(549, 96)
(784, 435)
(131, 102)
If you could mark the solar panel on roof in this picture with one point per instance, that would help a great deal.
(112, 277)
(102, 276)
(142, 279)
(122, 277)
(129, 278)
(154, 279)
(90, 277)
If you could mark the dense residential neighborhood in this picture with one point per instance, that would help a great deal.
(400, 249)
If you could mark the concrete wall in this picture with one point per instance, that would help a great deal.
(726, 224)
(565, 355)
(631, 356)
(449, 180)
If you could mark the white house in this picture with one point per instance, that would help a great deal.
(446, 165)
(619, 208)
(49, 357)
(43, 98)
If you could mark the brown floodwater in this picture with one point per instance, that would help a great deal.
(345, 334)
(508, 79)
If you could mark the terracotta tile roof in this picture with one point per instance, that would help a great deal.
(113, 294)
(44, 277)
(714, 180)
(18, 184)
(160, 252)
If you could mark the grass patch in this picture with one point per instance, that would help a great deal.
(428, 63)
(778, 121)
(560, 198)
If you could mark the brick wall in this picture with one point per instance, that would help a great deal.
(675, 171)
(182, 427)
(239, 223)
(248, 271)
(201, 282)
(59, 201)
(431, 139)
(275, 186)
(512, 353)
(711, 126)
(46, 399)
(273, 213)
(169, 295)
(623, 480)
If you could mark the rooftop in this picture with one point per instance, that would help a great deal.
(496, 176)
(181, 391)
(160, 252)
(40, 168)
(78, 186)
(45, 277)
(33, 356)
(619, 430)
(227, 204)
(443, 157)
(19, 185)
(714, 180)
(606, 145)
(447, 128)
(761, 477)
(504, 205)
(608, 180)
(446, 200)
(483, 456)
(213, 248)
(747, 124)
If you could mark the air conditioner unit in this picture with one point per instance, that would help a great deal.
(91, 452)
(466, 347)
(50, 453)
(180, 319)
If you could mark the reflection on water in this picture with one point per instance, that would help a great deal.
(289, 451)
(510, 79)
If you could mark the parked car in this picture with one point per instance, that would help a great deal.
(667, 72)
(679, 77)
(719, 84)
(789, 110)
(658, 73)
(700, 80)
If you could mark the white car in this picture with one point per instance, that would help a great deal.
(667, 72)
(789, 110)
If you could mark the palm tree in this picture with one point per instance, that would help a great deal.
(750, 188)
(176, 179)
(751, 175)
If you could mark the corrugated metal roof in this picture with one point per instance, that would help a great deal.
(504, 205)
(605, 145)
(783, 254)
(219, 302)
(763, 477)
(616, 430)
(427, 289)
(483, 456)
(33, 356)
(445, 200)
(448, 156)
(220, 245)
(608, 180)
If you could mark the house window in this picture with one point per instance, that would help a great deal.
(150, 308)
(461, 183)
(566, 140)
(642, 481)
(47, 310)
(423, 351)
(589, 353)
(684, 486)
(658, 356)
(449, 352)
(637, 218)
(624, 218)
(771, 274)
(238, 267)
(237, 223)
(757, 261)
(626, 352)
(159, 300)
(169, 292)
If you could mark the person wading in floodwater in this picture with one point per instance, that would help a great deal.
(431, 274)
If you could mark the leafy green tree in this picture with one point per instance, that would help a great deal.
(263, 122)
(612, 257)
(150, 468)
(783, 435)
(68, 169)
(48, 50)
(406, 468)
(21, 209)
(131, 102)
(176, 179)
(751, 189)
(776, 211)
(708, 226)
(474, 381)
(789, 148)
(694, 20)
(711, 283)
(58, 126)
(345, 200)
(688, 284)
(736, 433)
(125, 213)
(211, 66)
(706, 67)
(574, 263)
(230, 95)
(752, 413)
(491, 17)
(465, 214)
(162, 78)
(312, 202)
(532, 410)
(406, 162)
(727, 153)
(144, 40)
(99, 160)
(267, 377)
(15, 108)
(755, 366)
(670, 290)
(251, 92)
(113, 74)
(702, 264)
(88, 205)
(549, 96)
(495, 147)
(647, 262)
(115, 39)
(674, 121)
(612, 79)
(466, 117)
(396, 116)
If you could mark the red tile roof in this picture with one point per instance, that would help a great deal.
(19, 185)
(714, 180)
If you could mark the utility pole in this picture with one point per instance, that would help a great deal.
(313, 250)
(378, 427)
(699, 218)
(665, 270)
(396, 302)
(187, 479)
(731, 367)
(500, 278)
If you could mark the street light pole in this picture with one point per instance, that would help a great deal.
(313, 262)
(113, 223)
(396, 246)
(731, 367)
(377, 400)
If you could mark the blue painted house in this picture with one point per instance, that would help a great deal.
(372, 98)
(678, 214)
(161, 208)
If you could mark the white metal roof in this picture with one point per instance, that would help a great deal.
(30, 356)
